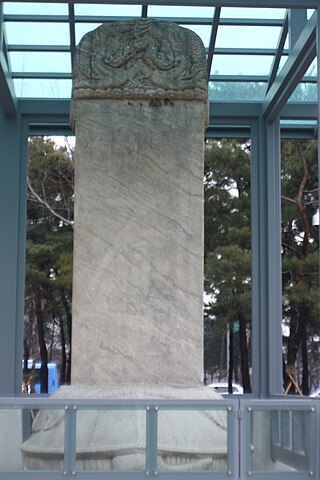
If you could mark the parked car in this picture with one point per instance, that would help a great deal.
(222, 387)
(315, 394)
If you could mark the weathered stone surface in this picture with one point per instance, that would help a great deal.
(10, 440)
(192, 440)
(138, 281)
(139, 101)
(141, 58)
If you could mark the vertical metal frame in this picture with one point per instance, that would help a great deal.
(151, 440)
(248, 407)
(266, 228)
(13, 141)
(318, 114)
(70, 422)
(266, 250)
(231, 408)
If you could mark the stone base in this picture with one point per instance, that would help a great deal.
(115, 440)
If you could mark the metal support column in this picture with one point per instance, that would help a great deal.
(12, 251)
(318, 121)
(297, 22)
(267, 307)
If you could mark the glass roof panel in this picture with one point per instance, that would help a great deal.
(305, 92)
(170, 11)
(241, 65)
(230, 91)
(310, 12)
(235, 12)
(30, 33)
(247, 36)
(246, 43)
(203, 31)
(40, 62)
(83, 28)
(107, 10)
(35, 8)
(42, 88)
(312, 70)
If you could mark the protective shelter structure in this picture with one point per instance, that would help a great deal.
(263, 69)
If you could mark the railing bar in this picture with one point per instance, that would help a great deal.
(70, 441)
(151, 440)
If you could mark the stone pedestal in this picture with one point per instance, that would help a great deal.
(190, 440)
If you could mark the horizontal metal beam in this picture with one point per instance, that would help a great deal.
(199, 3)
(299, 111)
(49, 108)
(213, 78)
(42, 75)
(44, 108)
(239, 78)
(254, 78)
(217, 51)
(38, 48)
(293, 70)
(251, 22)
(248, 51)
(234, 110)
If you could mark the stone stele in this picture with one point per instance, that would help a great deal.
(139, 112)
(139, 101)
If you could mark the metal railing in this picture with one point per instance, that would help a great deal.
(234, 438)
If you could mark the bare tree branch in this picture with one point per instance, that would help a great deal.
(46, 205)
(288, 199)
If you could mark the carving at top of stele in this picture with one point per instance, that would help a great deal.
(138, 59)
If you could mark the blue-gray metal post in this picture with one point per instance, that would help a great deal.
(267, 310)
(318, 120)
(297, 22)
(12, 250)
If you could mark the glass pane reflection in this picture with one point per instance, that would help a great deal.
(43, 446)
(111, 440)
(194, 440)
(280, 441)
(10, 441)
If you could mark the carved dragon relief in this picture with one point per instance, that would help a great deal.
(141, 58)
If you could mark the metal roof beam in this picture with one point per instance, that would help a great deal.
(253, 78)
(279, 53)
(8, 101)
(217, 51)
(200, 3)
(213, 37)
(43, 75)
(251, 22)
(292, 72)
(72, 31)
(53, 108)
(297, 22)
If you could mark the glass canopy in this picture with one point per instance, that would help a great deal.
(246, 47)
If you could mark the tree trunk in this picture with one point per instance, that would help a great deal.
(305, 363)
(244, 357)
(42, 345)
(63, 352)
(230, 366)
(69, 331)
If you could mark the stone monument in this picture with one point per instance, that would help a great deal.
(139, 112)
(139, 106)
